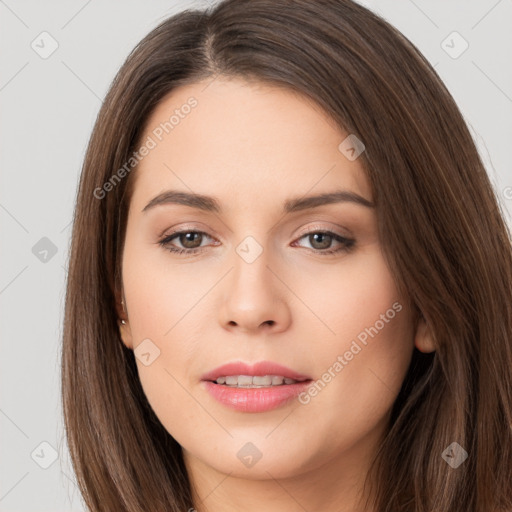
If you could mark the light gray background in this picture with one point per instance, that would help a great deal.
(48, 107)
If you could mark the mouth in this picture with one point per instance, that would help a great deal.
(254, 388)
(252, 374)
(255, 381)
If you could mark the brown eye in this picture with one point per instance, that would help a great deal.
(321, 242)
(190, 241)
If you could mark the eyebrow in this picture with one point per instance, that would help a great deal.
(211, 204)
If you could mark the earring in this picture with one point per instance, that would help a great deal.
(123, 322)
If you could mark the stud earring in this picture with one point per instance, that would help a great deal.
(123, 322)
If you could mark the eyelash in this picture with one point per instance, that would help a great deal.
(347, 243)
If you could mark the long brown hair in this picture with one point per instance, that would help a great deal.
(441, 229)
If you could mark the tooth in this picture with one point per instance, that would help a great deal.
(249, 381)
(262, 381)
(245, 380)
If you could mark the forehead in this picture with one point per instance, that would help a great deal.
(247, 143)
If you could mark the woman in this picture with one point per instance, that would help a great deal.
(289, 281)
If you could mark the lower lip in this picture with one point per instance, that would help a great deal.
(255, 399)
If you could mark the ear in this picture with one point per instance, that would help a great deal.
(123, 322)
(424, 340)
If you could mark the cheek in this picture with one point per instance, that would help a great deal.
(363, 343)
(161, 292)
(164, 304)
(161, 312)
(345, 299)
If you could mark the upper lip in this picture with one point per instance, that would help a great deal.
(261, 368)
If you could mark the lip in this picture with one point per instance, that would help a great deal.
(255, 399)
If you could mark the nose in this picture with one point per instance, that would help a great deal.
(254, 298)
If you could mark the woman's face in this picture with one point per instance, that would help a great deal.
(274, 278)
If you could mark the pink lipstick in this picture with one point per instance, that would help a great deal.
(254, 388)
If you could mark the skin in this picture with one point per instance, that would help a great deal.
(253, 146)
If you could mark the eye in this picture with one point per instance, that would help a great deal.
(190, 240)
(321, 242)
